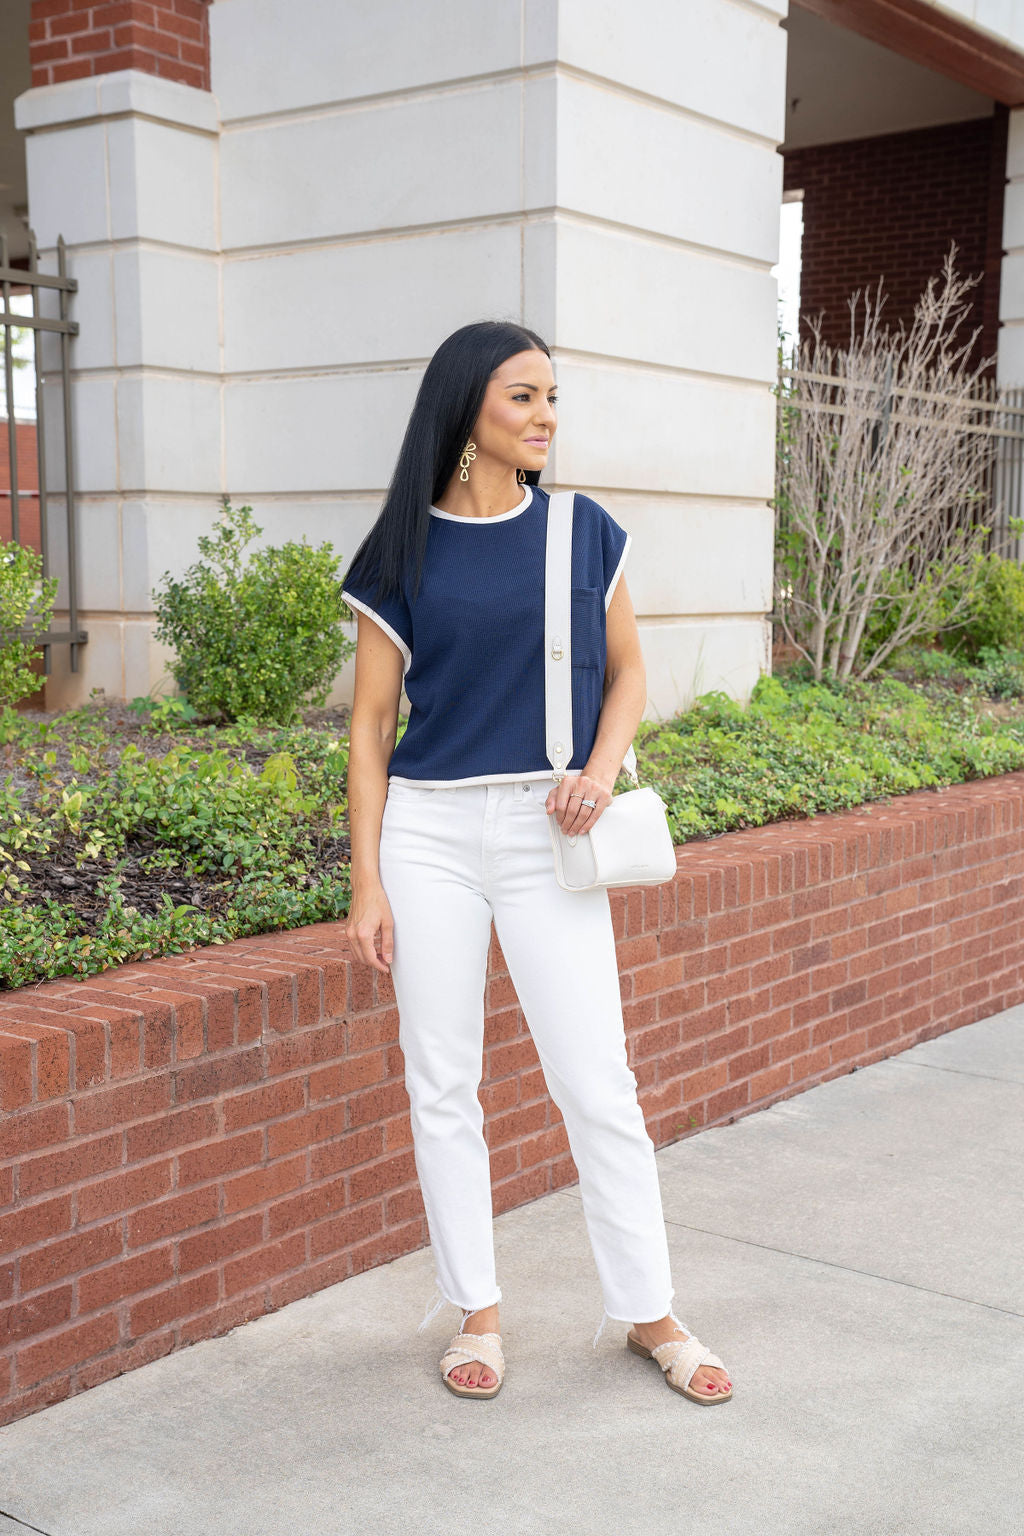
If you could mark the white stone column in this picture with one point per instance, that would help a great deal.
(606, 174)
(666, 193)
(124, 166)
(1010, 348)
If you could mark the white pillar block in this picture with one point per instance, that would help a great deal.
(124, 167)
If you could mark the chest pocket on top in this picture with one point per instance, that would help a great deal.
(587, 618)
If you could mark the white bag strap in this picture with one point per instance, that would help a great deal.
(558, 637)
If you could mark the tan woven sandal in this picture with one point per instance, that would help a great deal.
(679, 1359)
(482, 1347)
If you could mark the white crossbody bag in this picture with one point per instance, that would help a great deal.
(630, 843)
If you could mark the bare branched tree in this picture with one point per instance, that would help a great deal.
(881, 471)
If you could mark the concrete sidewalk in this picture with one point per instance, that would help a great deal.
(854, 1254)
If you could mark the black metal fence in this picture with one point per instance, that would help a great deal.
(60, 286)
(996, 415)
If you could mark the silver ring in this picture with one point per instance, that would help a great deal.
(576, 795)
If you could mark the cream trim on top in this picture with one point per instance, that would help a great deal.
(501, 517)
(618, 571)
(392, 634)
(480, 778)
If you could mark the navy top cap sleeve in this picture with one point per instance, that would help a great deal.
(615, 542)
(391, 613)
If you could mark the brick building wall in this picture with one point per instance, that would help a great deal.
(70, 39)
(188, 1143)
(888, 206)
(28, 480)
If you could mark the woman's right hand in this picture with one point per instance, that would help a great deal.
(368, 914)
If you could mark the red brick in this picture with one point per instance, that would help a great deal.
(216, 1158)
(378, 1029)
(543, 1148)
(125, 1191)
(720, 1047)
(728, 1100)
(700, 1084)
(376, 1103)
(71, 1255)
(266, 1103)
(171, 1303)
(169, 1218)
(43, 9)
(303, 1130)
(34, 1315)
(728, 925)
(89, 1050)
(29, 1129)
(330, 1236)
(525, 1186)
(65, 1350)
(102, 1108)
(44, 53)
(255, 1269)
(179, 1128)
(398, 1132)
(263, 1184)
(768, 1084)
(51, 1053)
(655, 1041)
(16, 1075)
(655, 978)
(306, 1048)
(128, 1277)
(212, 1077)
(115, 11)
(346, 1151)
(517, 1123)
(219, 1243)
(382, 1177)
(388, 1246)
(748, 1062)
(91, 43)
(30, 1224)
(307, 1207)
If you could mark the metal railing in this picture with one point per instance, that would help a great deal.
(997, 414)
(62, 286)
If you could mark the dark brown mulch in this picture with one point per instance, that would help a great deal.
(60, 877)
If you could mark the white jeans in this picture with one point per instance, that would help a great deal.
(451, 859)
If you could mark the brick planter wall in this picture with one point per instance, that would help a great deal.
(190, 1142)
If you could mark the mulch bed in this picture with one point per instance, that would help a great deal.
(63, 880)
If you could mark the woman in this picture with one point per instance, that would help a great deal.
(449, 831)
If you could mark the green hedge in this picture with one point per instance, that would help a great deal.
(175, 836)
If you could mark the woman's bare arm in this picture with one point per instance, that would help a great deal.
(623, 702)
(372, 733)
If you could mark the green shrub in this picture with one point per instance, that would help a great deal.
(999, 673)
(894, 587)
(995, 617)
(257, 640)
(26, 603)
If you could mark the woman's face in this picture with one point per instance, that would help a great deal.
(517, 419)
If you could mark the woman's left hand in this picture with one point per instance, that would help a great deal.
(567, 802)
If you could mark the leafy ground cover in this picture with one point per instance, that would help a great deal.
(125, 836)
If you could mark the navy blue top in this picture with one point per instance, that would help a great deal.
(472, 642)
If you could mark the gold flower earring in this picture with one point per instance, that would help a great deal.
(469, 452)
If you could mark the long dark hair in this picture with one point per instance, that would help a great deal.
(447, 404)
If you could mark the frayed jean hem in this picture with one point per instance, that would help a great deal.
(439, 1300)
